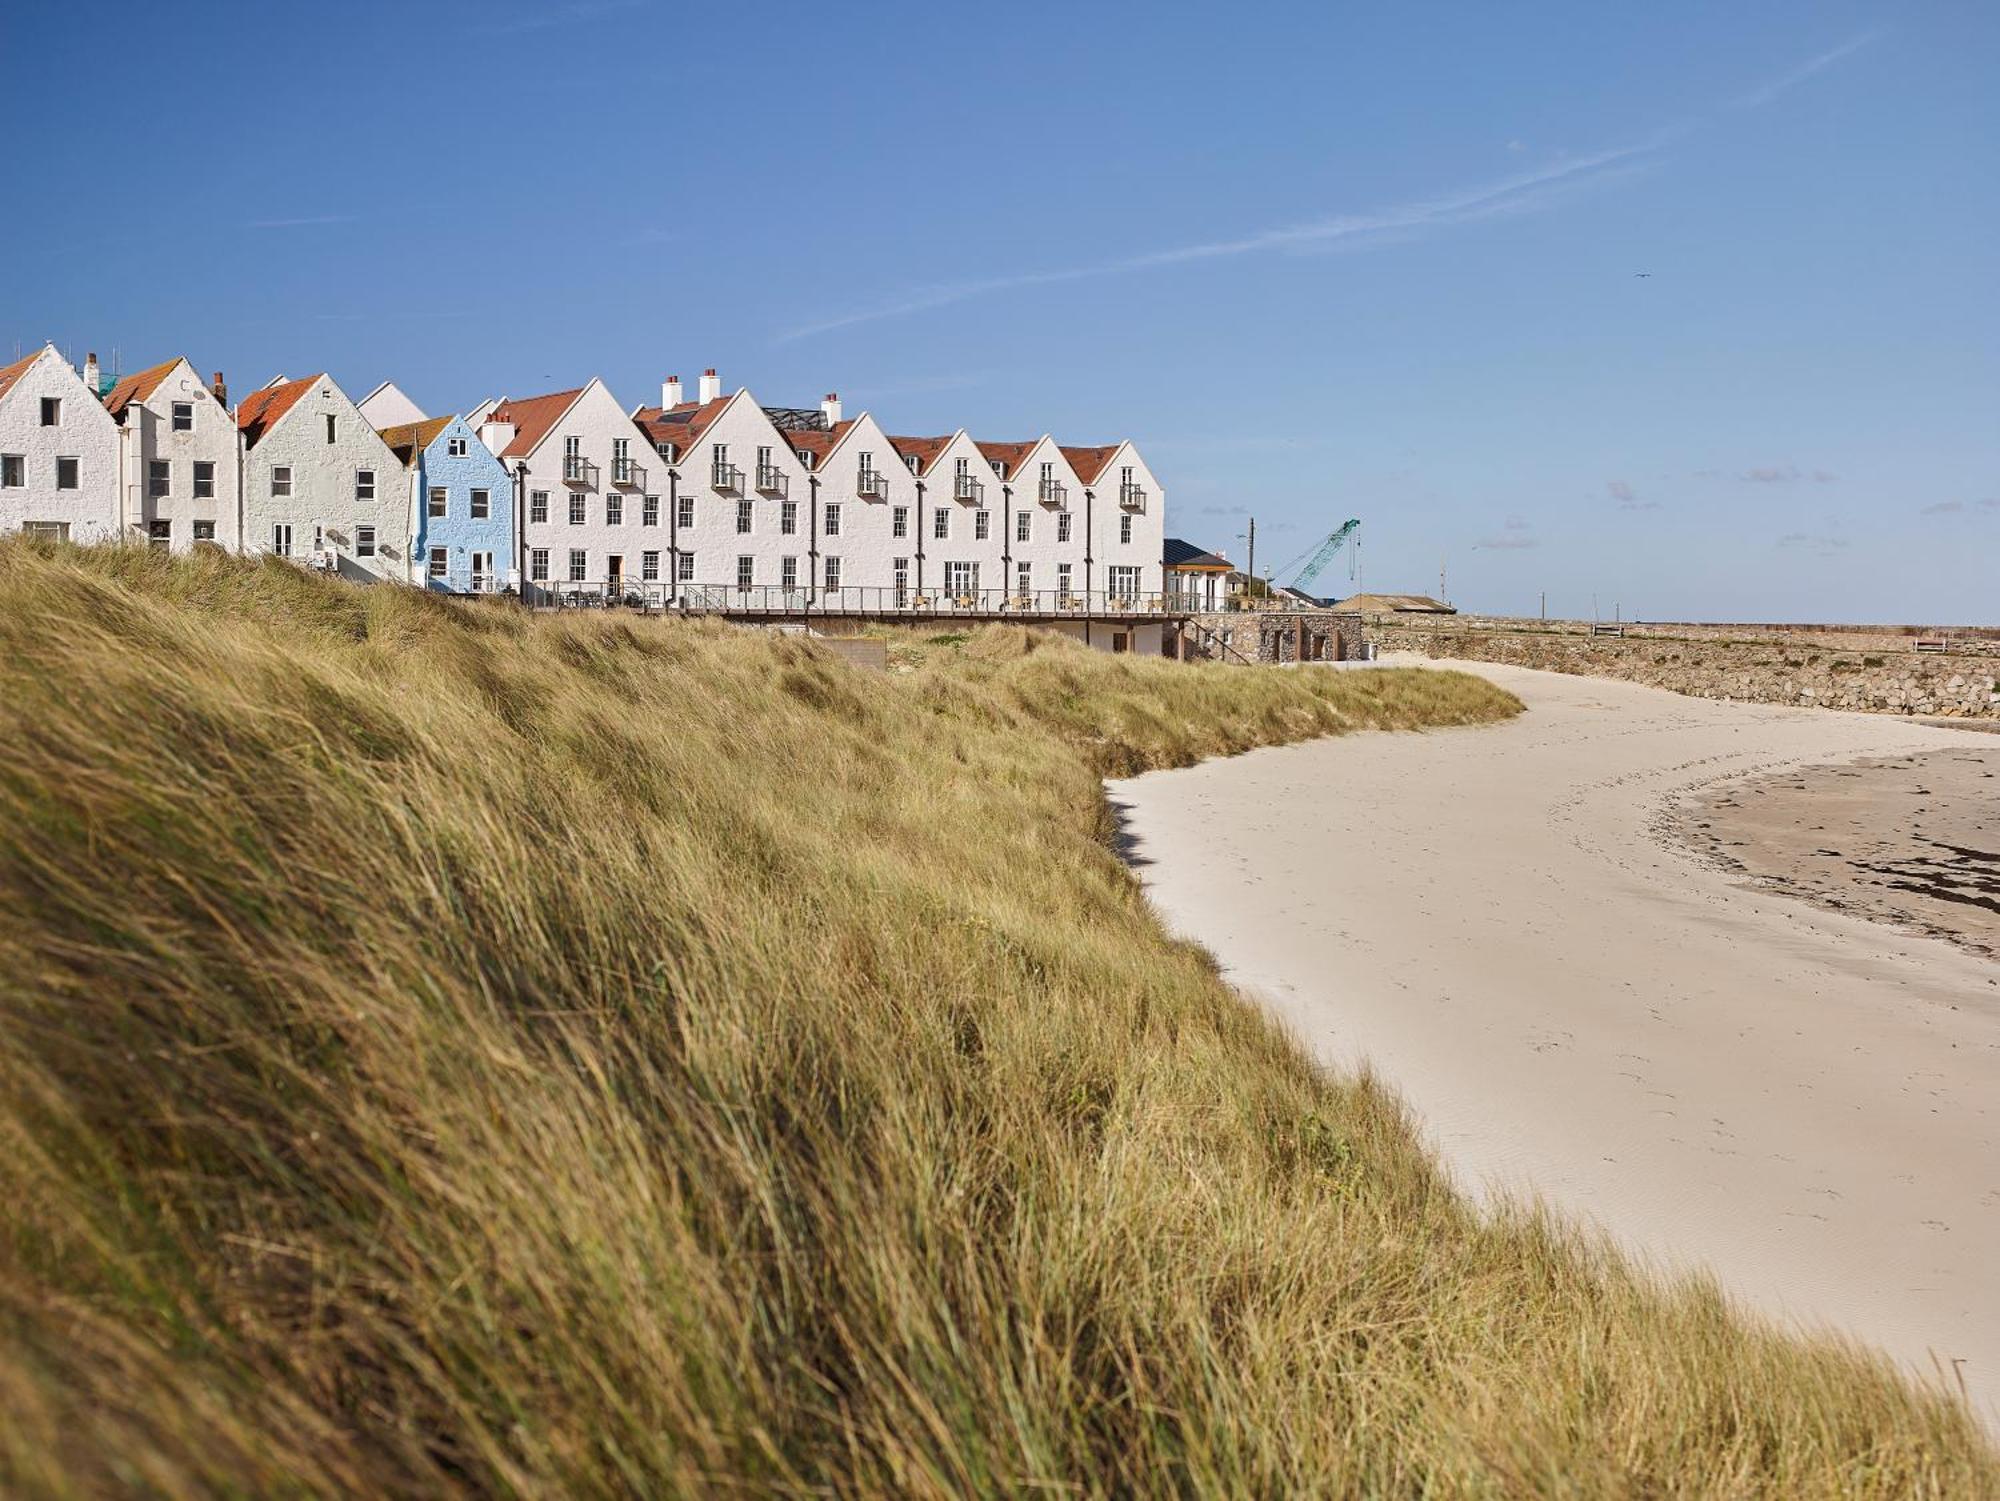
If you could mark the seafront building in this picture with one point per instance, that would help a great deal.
(716, 504)
(59, 453)
(180, 457)
(461, 502)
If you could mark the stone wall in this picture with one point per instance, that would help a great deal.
(1267, 636)
(1774, 668)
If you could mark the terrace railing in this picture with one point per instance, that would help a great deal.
(967, 487)
(1132, 496)
(771, 480)
(771, 600)
(872, 484)
(1052, 492)
(727, 478)
(628, 474)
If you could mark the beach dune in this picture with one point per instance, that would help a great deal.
(1506, 925)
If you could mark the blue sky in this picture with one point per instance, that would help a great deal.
(1321, 260)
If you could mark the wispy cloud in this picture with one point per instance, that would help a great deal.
(1785, 474)
(1820, 544)
(1943, 508)
(1770, 91)
(305, 221)
(1515, 535)
(1628, 499)
(1519, 192)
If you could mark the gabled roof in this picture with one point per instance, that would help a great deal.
(819, 442)
(1090, 463)
(261, 410)
(1009, 454)
(1178, 553)
(532, 417)
(408, 440)
(683, 425)
(138, 387)
(924, 450)
(15, 371)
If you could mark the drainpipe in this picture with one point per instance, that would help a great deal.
(673, 535)
(812, 542)
(520, 538)
(1006, 540)
(923, 522)
(1089, 532)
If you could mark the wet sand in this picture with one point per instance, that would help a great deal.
(1913, 840)
(1503, 924)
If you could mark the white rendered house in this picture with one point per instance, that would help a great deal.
(180, 458)
(319, 484)
(741, 521)
(866, 502)
(588, 489)
(387, 406)
(58, 453)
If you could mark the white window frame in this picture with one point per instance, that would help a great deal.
(941, 524)
(579, 507)
(437, 507)
(204, 485)
(178, 411)
(159, 479)
(831, 523)
(479, 505)
(75, 472)
(440, 563)
(281, 482)
(538, 565)
(364, 542)
(832, 573)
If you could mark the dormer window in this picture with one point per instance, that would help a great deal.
(913, 461)
(999, 469)
(805, 457)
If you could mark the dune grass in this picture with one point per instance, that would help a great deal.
(443, 1051)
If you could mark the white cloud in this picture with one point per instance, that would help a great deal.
(1768, 92)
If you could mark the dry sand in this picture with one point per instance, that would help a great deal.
(1502, 924)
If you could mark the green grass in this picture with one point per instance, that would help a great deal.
(443, 1051)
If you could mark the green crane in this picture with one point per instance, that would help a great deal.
(1318, 556)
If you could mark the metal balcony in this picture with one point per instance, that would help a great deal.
(771, 480)
(628, 475)
(727, 478)
(577, 470)
(968, 487)
(1132, 497)
(872, 485)
(1053, 492)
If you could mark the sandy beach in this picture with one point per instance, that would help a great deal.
(1706, 1041)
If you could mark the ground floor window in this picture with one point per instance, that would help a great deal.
(482, 571)
(832, 573)
(13, 471)
(364, 542)
(204, 531)
(55, 531)
(281, 539)
(649, 567)
(684, 568)
(579, 565)
(1024, 579)
(204, 479)
(538, 565)
(1121, 640)
(440, 563)
(961, 580)
(788, 573)
(159, 535)
(1124, 581)
(159, 479)
(900, 572)
(746, 571)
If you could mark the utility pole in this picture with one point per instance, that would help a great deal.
(1251, 567)
(1443, 598)
(1545, 604)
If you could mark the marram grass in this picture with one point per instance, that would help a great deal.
(447, 1052)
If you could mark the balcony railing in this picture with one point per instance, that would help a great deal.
(1132, 497)
(872, 485)
(771, 480)
(767, 600)
(726, 478)
(1053, 492)
(577, 470)
(628, 474)
(967, 487)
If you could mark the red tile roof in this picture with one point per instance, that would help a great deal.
(138, 387)
(260, 411)
(408, 439)
(1089, 463)
(681, 426)
(1008, 454)
(532, 417)
(15, 371)
(818, 441)
(925, 450)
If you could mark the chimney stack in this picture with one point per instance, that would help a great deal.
(496, 433)
(670, 393)
(711, 386)
(92, 376)
(217, 389)
(830, 408)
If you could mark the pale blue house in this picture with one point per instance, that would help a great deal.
(462, 535)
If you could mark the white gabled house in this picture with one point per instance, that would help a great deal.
(960, 560)
(741, 523)
(180, 458)
(58, 452)
(588, 488)
(867, 503)
(319, 484)
(1043, 551)
(387, 406)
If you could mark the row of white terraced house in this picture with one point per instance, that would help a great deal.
(711, 504)
(721, 503)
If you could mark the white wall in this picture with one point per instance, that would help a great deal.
(86, 433)
(867, 545)
(146, 431)
(324, 486)
(597, 421)
(1148, 527)
(742, 428)
(387, 406)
